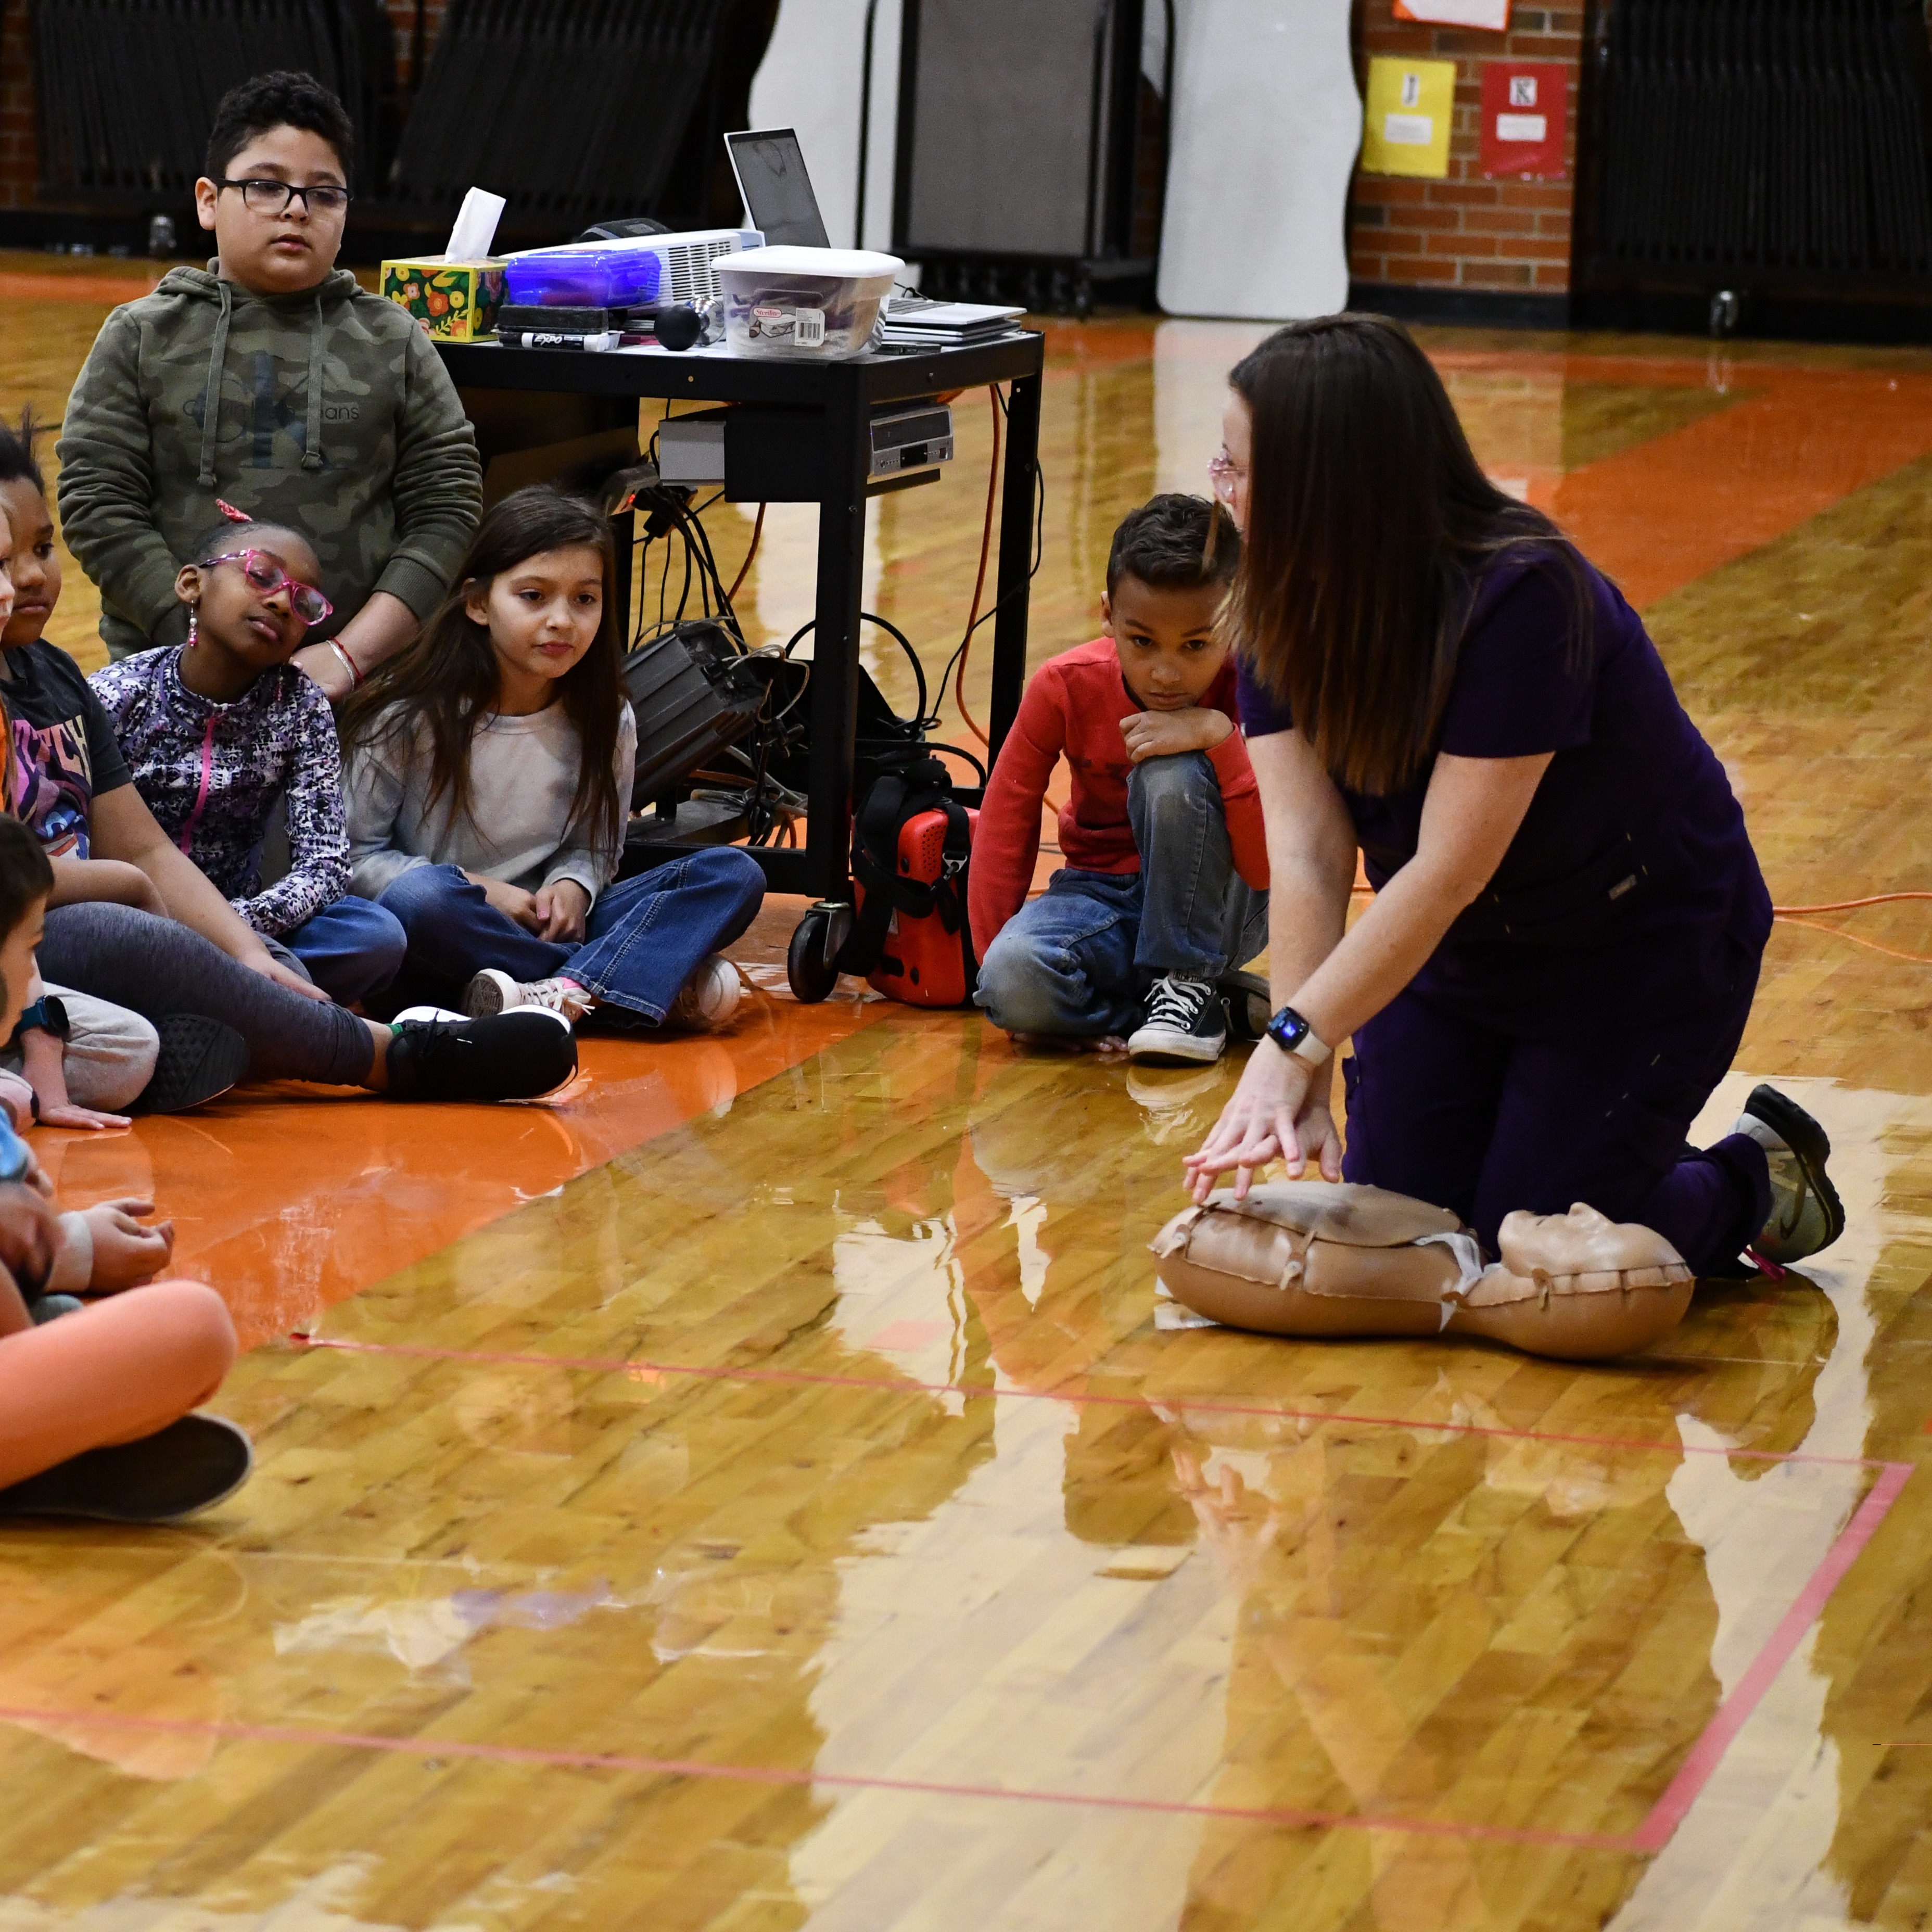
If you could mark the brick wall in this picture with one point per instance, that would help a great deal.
(1466, 232)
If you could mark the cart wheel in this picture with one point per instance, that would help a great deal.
(812, 975)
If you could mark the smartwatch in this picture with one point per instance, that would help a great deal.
(1293, 1034)
(48, 1014)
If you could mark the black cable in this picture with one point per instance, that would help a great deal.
(1025, 586)
(959, 752)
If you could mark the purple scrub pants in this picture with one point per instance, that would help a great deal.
(1485, 1109)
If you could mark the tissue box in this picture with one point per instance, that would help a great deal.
(457, 300)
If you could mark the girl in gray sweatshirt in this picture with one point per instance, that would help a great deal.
(489, 782)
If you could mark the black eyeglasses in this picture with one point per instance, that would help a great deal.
(273, 197)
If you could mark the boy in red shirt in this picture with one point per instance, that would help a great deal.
(1165, 889)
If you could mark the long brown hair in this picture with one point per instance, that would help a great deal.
(1370, 524)
(447, 679)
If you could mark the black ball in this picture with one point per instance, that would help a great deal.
(679, 327)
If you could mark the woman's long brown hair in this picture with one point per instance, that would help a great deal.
(1370, 525)
(447, 679)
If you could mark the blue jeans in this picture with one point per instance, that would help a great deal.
(1078, 961)
(351, 950)
(644, 939)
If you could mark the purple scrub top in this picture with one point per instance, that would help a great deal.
(1631, 879)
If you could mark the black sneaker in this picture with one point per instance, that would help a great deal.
(1806, 1214)
(189, 1465)
(513, 1056)
(1248, 1003)
(1185, 1021)
(200, 1059)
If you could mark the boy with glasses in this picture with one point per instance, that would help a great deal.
(271, 378)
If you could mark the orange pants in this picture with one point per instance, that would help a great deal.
(115, 1371)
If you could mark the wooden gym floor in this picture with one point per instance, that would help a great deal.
(751, 1493)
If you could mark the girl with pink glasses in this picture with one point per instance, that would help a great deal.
(219, 730)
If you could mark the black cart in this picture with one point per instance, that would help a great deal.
(526, 398)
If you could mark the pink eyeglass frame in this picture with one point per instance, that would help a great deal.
(295, 587)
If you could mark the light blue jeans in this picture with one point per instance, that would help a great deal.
(644, 939)
(1077, 961)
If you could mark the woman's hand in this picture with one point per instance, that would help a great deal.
(1279, 1111)
(563, 905)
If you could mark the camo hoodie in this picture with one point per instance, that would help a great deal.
(336, 418)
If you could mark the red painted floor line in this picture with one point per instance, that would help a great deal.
(1204, 1405)
(1697, 1770)
(752, 1774)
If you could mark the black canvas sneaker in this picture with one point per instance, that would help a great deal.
(1185, 1021)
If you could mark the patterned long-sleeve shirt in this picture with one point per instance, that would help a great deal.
(211, 774)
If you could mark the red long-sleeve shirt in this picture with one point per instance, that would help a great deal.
(1073, 709)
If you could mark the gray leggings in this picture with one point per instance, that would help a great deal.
(159, 967)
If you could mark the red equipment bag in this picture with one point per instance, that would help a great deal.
(910, 850)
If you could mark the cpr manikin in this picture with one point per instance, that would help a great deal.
(1313, 1258)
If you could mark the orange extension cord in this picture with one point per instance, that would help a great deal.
(1796, 915)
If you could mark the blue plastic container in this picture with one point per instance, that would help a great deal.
(590, 275)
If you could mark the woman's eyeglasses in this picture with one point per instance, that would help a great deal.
(264, 574)
(273, 197)
(1226, 475)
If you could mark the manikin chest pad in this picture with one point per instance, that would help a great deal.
(1314, 1258)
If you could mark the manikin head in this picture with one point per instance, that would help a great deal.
(1545, 1247)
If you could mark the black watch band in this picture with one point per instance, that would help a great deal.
(48, 1014)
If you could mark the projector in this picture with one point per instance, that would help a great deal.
(762, 455)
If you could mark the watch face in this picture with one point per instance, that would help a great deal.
(1288, 1029)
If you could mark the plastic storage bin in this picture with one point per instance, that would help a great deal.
(805, 305)
(601, 274)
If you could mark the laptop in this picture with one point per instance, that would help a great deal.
(769, 166)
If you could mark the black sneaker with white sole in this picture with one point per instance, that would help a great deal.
(1185, 1021)
(189, 1465)
(1248, 1003)
(200, 1059)
(1806, 1214)
(512, 1056)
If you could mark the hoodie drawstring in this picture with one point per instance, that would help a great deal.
(211, 413)
(312, 451)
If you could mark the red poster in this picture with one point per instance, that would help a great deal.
(1524, 110)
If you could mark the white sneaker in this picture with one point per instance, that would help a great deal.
(492, 991)
(710, 996)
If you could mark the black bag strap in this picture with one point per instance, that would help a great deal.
(890, 800)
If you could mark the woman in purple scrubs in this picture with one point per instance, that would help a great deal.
(1568, 920)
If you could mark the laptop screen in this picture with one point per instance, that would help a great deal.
(770, 167)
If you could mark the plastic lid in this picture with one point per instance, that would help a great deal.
(784, 261)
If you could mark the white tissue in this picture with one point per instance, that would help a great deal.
(476, 230)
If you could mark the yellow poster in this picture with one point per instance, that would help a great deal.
(1411, 105)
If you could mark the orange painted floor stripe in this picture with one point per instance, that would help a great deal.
(289, 1198)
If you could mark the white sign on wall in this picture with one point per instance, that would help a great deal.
(1493, 14)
